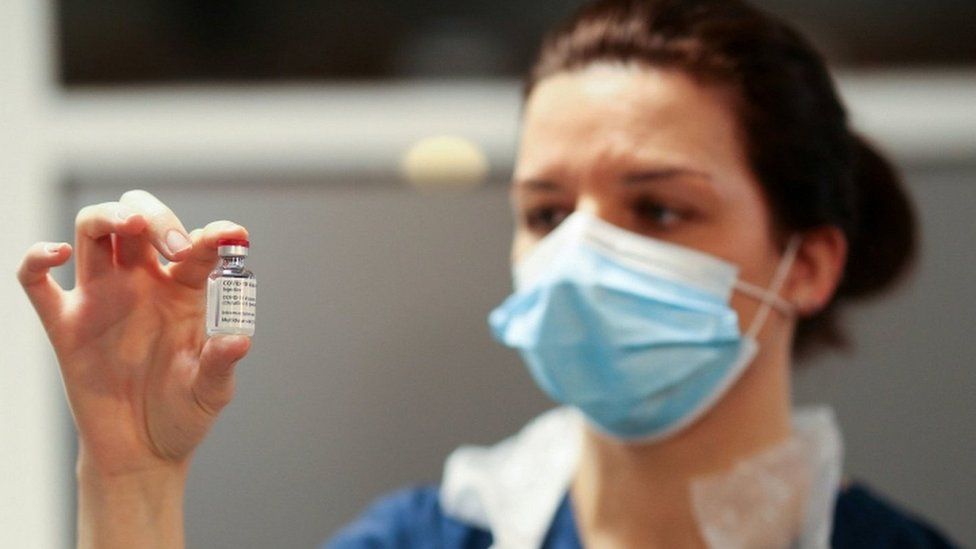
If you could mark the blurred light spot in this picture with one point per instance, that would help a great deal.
(444, 162)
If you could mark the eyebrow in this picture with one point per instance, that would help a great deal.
(635, 178)
(654, 175)
(537, 185)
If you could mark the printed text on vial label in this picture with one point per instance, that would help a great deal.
(236, 302)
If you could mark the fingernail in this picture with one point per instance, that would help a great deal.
(52, 248)
(124, 213)
(176, 241)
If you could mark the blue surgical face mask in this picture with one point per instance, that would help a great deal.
(635, 332)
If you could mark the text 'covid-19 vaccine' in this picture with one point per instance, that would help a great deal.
(231, 291)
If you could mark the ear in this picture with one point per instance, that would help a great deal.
(817, 270)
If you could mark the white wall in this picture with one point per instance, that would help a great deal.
(34, 485)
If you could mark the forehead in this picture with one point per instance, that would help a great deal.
(607, 111)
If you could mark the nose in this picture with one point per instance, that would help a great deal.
(603, 207)
(588, 203)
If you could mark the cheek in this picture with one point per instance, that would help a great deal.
(742, 234)
(745, 240)
(758, 265)
(745, 307)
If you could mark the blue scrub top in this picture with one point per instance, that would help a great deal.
(414, 518)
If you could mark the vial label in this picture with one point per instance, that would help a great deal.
(231, 305)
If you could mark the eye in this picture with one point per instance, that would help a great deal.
(543, 219)
(657, 214)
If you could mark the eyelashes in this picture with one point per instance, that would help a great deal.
(543, 219)
(650, 215)
(658, 214)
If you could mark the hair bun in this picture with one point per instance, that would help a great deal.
(882, 242)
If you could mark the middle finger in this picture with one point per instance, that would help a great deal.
(165, 230)
(94, 227)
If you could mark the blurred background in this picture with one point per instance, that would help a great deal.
(372, 361)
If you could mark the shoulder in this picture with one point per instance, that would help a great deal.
(864, 519)
(410, 517)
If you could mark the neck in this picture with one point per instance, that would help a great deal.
(634, 495)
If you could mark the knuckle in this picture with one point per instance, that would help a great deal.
(27, 264)
(133, 195)
(161, 217)
(22, 273)
(146, 204)
(217, 225)
(223, 225)
(83, 214)
(157, 219)
(94, 212)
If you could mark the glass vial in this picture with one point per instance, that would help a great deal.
(231, 291)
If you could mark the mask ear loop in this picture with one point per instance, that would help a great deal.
(771, 296)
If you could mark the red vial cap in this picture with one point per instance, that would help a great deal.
(233, 242)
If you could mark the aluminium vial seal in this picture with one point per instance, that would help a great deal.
(232, 247)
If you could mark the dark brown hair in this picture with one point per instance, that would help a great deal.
(813, 170)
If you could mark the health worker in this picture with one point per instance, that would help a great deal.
(692, 211)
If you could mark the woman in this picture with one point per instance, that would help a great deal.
(691, 210)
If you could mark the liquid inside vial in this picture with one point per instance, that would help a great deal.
(231, 292)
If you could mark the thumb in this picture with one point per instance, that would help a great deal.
(213, 386)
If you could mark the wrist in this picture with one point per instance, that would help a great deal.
(136, 508)
(150, 483)
(127, 467)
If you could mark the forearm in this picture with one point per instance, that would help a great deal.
(135, 510)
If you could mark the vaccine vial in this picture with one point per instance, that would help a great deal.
(231, 291)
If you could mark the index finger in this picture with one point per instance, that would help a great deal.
(165, 231)
(195, 267)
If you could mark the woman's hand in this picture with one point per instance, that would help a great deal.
(143, 381)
